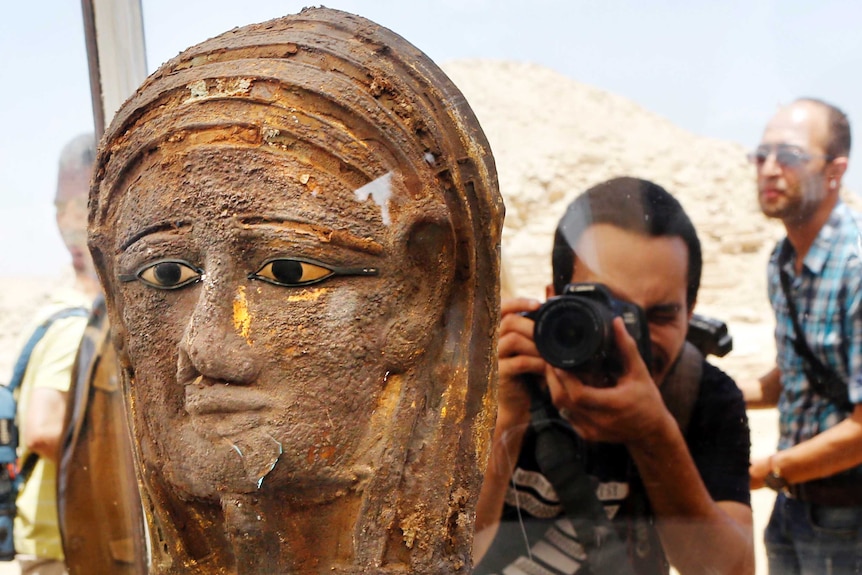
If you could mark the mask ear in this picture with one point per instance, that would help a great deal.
(424, 299)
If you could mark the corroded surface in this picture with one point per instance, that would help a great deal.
(315, 396)
(98, 505)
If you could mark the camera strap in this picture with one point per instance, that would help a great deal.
(560, 461)
(682, 385)
(822, 379)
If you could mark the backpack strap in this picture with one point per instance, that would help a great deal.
(822, 378)
(86, 364)
(27, 468)
(24, 358)
(21, 368)
(682, 385)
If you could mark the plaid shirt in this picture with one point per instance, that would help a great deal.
(828, 295)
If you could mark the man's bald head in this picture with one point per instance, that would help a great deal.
(76, 167)
(73, 185)
(837, 126)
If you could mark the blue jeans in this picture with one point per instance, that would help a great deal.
(807, 539)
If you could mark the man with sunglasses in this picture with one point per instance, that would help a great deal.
(815, 288)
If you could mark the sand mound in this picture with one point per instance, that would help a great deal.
(553, 137)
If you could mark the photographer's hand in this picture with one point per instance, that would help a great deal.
(630, 411)
(517, 356)
(696, 531)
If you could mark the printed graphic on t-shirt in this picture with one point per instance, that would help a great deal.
(557, 550)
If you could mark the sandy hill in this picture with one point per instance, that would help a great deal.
(553, 137)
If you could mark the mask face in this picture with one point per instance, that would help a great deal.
(297, 224)
(257, 302)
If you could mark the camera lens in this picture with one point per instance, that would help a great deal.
(570, 332)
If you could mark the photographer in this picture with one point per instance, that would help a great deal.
(675, 486)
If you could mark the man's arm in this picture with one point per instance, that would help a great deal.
(43, 422)
(698, 534)
(517, 356)
(840, 447)
(832, 451)
(46, 391)
(763, 392)
(508, 436)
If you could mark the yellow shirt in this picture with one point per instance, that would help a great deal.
(50, 366)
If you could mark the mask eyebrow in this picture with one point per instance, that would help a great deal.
(149, 230)
(321, 233)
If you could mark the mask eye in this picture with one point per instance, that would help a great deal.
(166, 274)
(291, 273)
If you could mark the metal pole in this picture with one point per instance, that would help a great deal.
(93, 66)
(116, 54)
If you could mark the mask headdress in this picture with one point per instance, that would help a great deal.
(326, 87)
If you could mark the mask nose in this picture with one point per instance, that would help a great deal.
(216, 344)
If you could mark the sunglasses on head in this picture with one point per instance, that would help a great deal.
(786, 155)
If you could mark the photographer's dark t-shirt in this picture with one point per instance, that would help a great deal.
(535, 538)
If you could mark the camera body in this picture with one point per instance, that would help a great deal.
(709, 335)
(574, 330)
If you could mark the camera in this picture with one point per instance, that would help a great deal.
(574, 331)
(709, 335)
